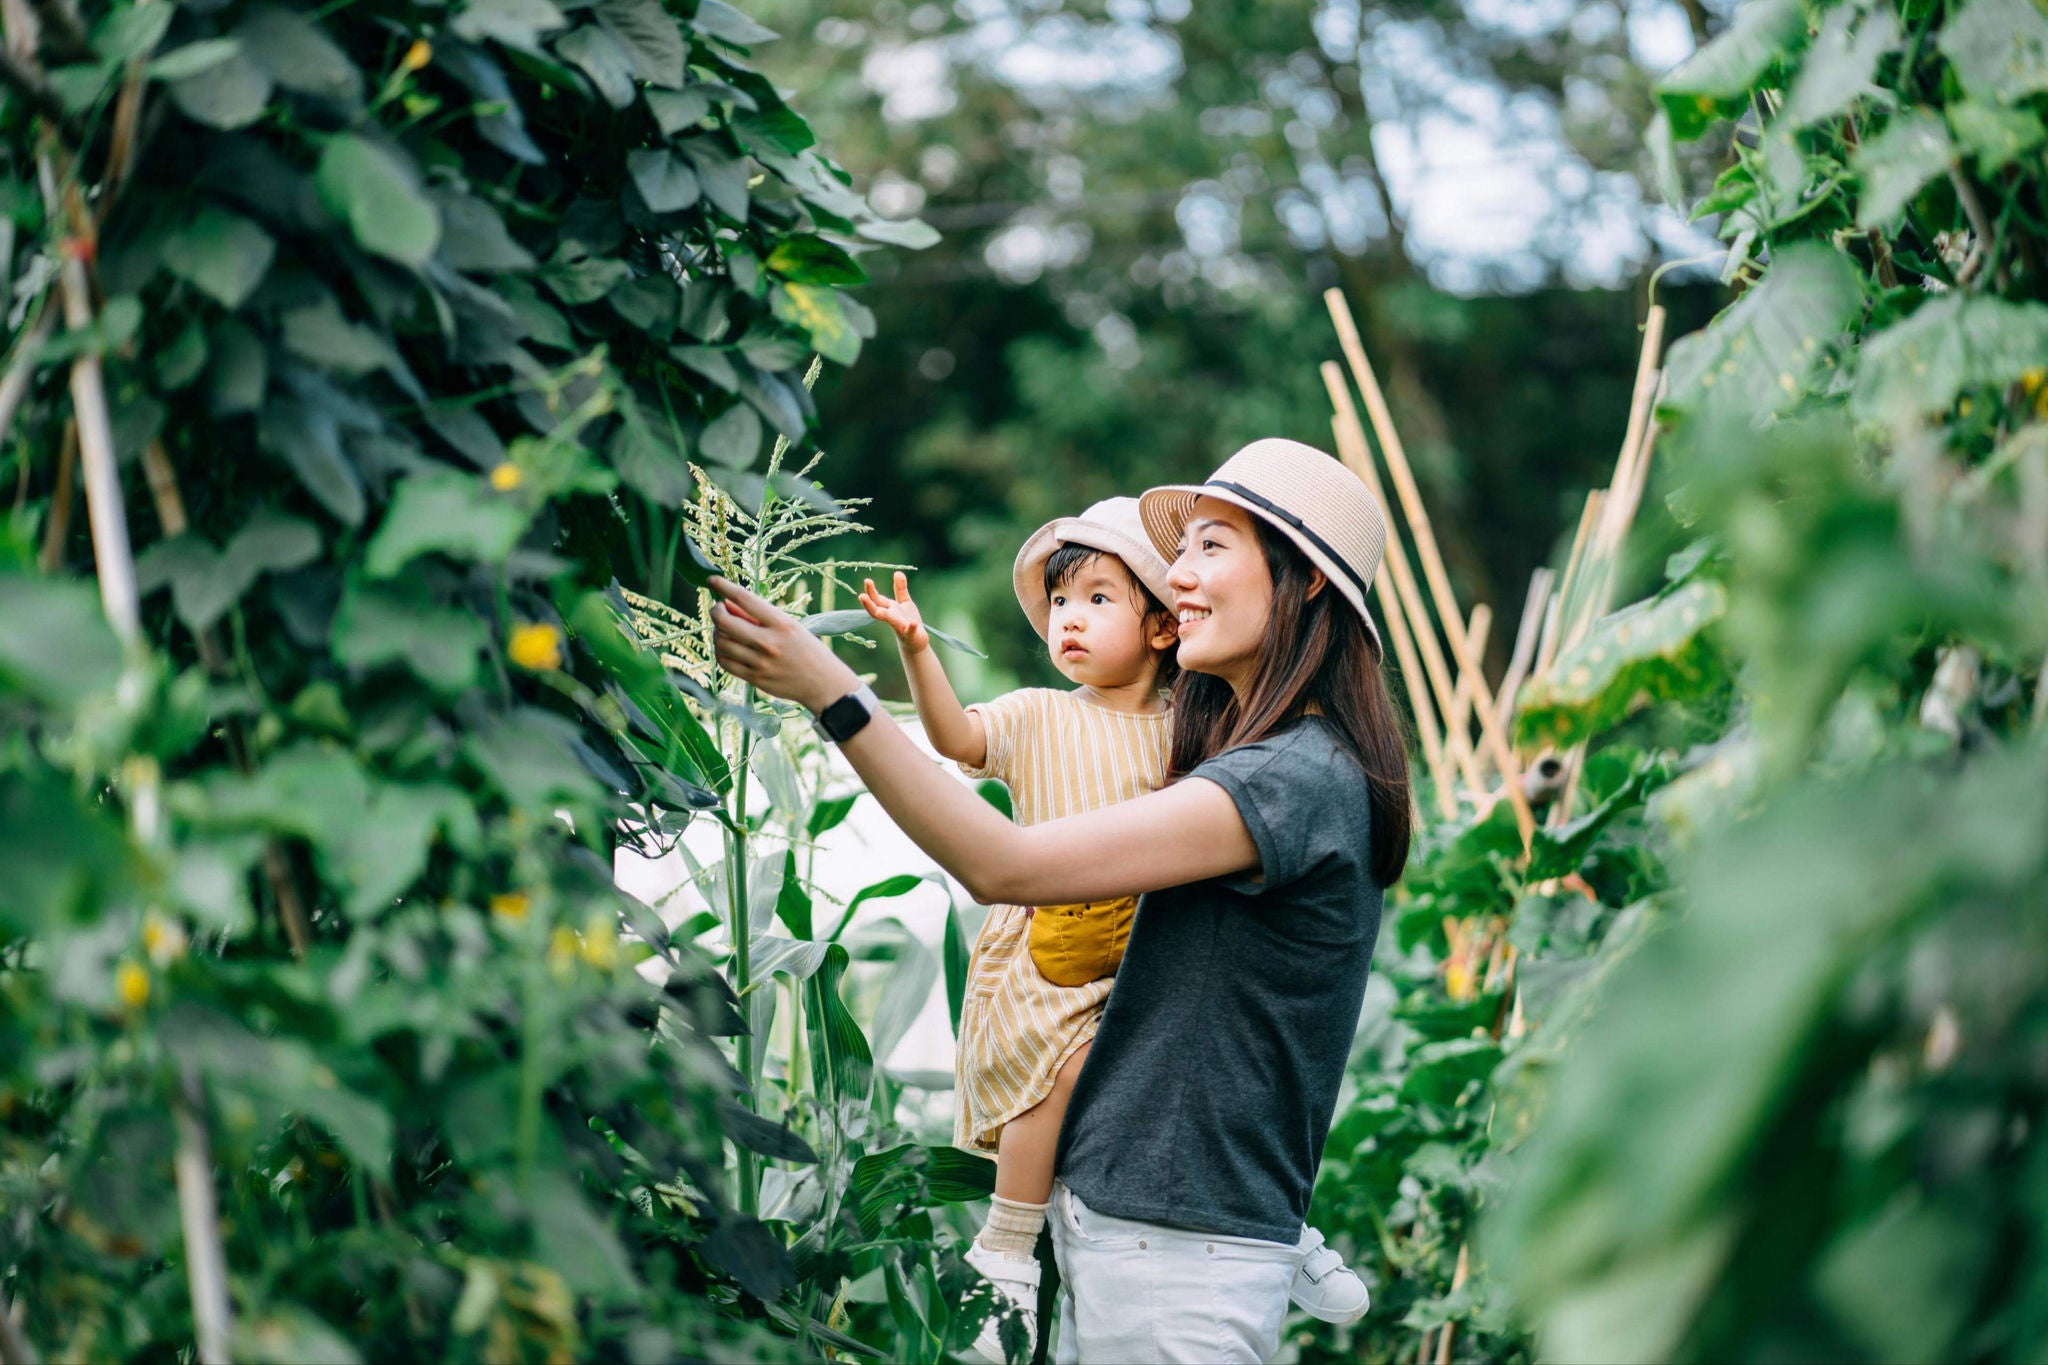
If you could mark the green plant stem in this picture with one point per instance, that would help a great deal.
(737, 855)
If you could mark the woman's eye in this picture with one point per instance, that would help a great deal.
(1208, 544)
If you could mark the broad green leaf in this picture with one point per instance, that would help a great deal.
(1949, 345)
(815, 311)
(796, 958)
(829, 813)
(515, 23)
(733, 438)
(1913, 149)
(319, 333)
(773, 1140)
(646, 461)
(715, 365)
(292, 50)
(309, 441)
(437, 643)
(228, 92)
(914, 1175)
(529, 755)
(377, 193)
(665, 180)
(911, 233)
(723, 176)
(841, 1064)
(813, 260)
(1999, 49)
(452, 514)
(193, 59)
(1840, 67)
(1649, 652)
(954, 951)
(1994, 136)
(131, 33)
(1715, 81)
(240, 369)
(384, 852)
(1439, 1072)
(55, 643)
(221, 254)
(793, 905)
(603, 58)
(716, 19)
(474, 238)
(205, 583)
(575, 1241)
(884, 889)
(677, 110)
(544, 324)
(184, 360)
(576, 277)
(1760, 352)
(651, 36)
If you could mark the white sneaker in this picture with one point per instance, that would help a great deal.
(1016, 1285)
(1324, 1287)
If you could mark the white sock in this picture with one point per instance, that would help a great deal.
(1012, 1228)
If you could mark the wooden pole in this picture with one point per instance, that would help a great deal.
(1452, 620)
(1534, 613)
(1457, 729)
(1412, 679)
(1571, 586)
(1352, 449)
(1458, 1277)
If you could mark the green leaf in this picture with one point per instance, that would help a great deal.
(1715, 81)
(723, 177)
(437, 643)
(452, 514)
(884, 889)
(733, 438)
(55, 643)
(914, 234)
(815, 311)
(1648, 652)
(677, 110)
(529, 755)
(1994, 137)
(228, 91)
(813, 260)
(715, 365)
(131, 33)
(1759, 353)
(954, 953)
(1949, 345)
(665, 180)
(1439, 1072)
(1913, 149)
(293, 51)
(831, 812)
(577, 277)
(1999, 49)
(473, 236)
(646, 461)
(716, 19)
(319, 333)
(309, 441)
(952, 641)
(651, 37)
(1840, 67)
(193, 59)
(916, 1176)
(377, 193)
(515, 23)
(773, 1140)
(604, 59)
(240, 369)
(793, 903)
(841, 1064)
(205, 583)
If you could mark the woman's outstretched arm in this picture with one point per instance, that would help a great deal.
(1185, 833)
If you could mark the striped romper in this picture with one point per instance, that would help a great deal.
(1059, 755)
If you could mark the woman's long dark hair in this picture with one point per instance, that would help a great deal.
(1317, 658)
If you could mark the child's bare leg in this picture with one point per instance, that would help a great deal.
(1024, 1153)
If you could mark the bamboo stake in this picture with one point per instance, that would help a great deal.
(199, 1214)
(1458, 1276)
(1452, 620)
(1352, 448)
(1570, 586)
(1534, 615)
(14, 1343)
(1457, 729)
(14, 385)
(58, 528)
(1412, 679)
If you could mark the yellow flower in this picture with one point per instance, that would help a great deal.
(418, 55)
(601, 941)
(2033, 379)
(163, 939)
(1458, 980)
(536, 647)
(512, 905)
(506, 477)
(131, 983)
(564, 947)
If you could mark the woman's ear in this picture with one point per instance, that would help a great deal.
(1317, 581)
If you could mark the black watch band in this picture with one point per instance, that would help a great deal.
(843, 719)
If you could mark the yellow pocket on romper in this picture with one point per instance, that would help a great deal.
(1073, 945)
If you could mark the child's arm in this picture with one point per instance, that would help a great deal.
(952, 731)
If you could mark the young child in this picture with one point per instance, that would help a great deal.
(1095, 590)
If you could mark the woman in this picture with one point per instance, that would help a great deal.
(1196, 1126)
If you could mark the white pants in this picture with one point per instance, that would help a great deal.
(1144, 1292)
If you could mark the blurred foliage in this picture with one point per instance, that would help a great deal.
(1142, 203)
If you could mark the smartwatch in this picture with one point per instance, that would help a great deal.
(843, 719)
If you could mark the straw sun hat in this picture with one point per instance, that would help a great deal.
(1111, 525)
(1304, 494)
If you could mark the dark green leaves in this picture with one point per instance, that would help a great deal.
(1713, 82)
(222, 254)
(665, 180)
(1913, 149)
(206, 582)
(439, 644)
(1999, 49)
(1949, 346)
(451, 514)
(716, 19)
(1648, 652)
(604, 59)
(55, 643)
(1763, 349)
(375, 190)
(650, 38)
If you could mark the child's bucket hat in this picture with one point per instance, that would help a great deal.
(1307, 496)
(1111, 525)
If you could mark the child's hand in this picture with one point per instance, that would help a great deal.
(901, 614)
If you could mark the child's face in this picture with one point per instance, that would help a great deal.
(1097, 633)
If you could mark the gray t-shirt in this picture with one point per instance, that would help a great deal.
(1208, 1094)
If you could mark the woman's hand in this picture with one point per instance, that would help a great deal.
(901, 615)
(758, 642)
